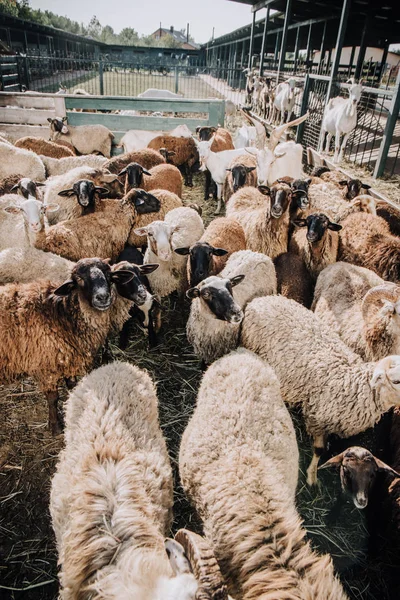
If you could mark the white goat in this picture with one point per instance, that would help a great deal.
(245, 136)
(340, 118)
(285, 97)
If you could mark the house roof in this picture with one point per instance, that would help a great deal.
(177, 35)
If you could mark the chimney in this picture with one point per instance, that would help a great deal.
(187, 34)
(171, 30)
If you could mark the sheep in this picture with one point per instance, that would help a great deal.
(209, 255)
(264, 218)
(21, 233)
(352, 187)
(22, 265)
(213, 327)
(146, 157)
(85, 138)
(361, 308)
(186, 154)
(241, 173)
(294, 280)
(8, 183)
(338, 392)
(326, 197)
(366, 241)
(391, 214)
(181, 227)
(103, 234)
(60, 166)
(317, 244)
(238, 464)
(167, 201)
(111, 497)
(18, 160)
(43, 147)
(137, 139)
(221, 138)
(340, 118)
(20, 185)
(166, 177)
(52, 331)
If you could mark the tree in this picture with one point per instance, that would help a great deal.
(128, 37)
(9, 7)
(94, 27)
(108, 35)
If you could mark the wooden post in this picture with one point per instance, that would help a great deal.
(253, 24)
(288, 12)
(266, 24)
(339, 46)
(389, 129)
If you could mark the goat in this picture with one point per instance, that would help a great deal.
(285, 97)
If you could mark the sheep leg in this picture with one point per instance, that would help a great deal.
(125, 334)
(219, 196)
(318, 448)
(207, 184)
(107, 356)
(54, 421)
(188, 175)
(343, 146)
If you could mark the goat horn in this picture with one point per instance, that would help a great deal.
(386, 291)
(261, 136)
(278, 131)
(204, 565)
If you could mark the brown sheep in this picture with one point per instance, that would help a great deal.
(242, 172)
(209, 255)
(66, 144)
(165, 177)
(365, 240)
(147, 158)
(168, 201)
(186, 154)
(44, 147)
(391, 214)
(51, 332)
(8, 183)
(294, 280)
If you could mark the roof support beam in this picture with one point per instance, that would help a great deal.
(322, 51)
(266, 25)
(363, 47)
(253, 24)
(262, 4)
(296, 49)
(308, 51)
(284, 37)
(339, 45)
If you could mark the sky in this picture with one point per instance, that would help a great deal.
(145, 15)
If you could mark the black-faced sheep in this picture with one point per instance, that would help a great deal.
(87, 139)
(165, 177)
(146, 157)
(167, 201)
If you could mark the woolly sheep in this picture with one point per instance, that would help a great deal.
(115, 470)
(165, 177)
(293, 279)
(87, 139)
(186, 154)
(391, 214)
(146, 157)
(238, 464)
(18, 160)
(328, 198)
(213, 327)
(338, 392)
(361, 308)
(22, 265)
(21, 220)
(59, 166)
(264, 218)
(167, 200)
(181, 227)
(44, 147)
(241, 173)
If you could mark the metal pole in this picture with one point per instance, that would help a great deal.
(242, 58)
(363, 47)
(353, 51)
(101, 78)
(303, 109)
(389, 129)
(277, 44)
(282, 56)
(322, 50)
(308, 51)
(253, 24)
(383, 61)
(296, 49)
(339, 45)
(266, 24)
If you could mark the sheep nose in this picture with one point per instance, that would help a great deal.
(101, 300)
(361, 500)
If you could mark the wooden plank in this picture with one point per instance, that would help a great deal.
(142, 104)
(19, 131)
(27, 101)
(25, 116)
(124, 123)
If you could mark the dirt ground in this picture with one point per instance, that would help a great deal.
(28, 455)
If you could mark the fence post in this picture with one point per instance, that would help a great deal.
(389, 129)
(26, 69)
(101, 78)
(176, 79)
(303, 108)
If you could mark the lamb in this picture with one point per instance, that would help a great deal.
(166, 177)
(115, 469)
(293, 279)
(338, 392)
(22, 265)
(238, 464)
(87, 139)
(326, 197)
(102, 234)
(181, 227)
(361, 308)
(186, 154)
(21, 233)
(167, 201)
(44, 147)
(209, 255)
(18, 160)
(59, 166)
(67, 324)
(241, 173)
(365, 240)
(265, 219)
(146, 157)
(317, 244)
(213, 327)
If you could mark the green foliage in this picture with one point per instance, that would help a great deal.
(9, 7)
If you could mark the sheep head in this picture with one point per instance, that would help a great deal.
(381, 311)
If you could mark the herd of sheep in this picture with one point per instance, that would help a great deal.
(295, 300)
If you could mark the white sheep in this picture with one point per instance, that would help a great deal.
(239, 464)
(111, 497)
(86, 139)
(18, 160)
(181, 227)
(216, 312)
(338, 392)
(21, 220)
(59, 166)
(21, 265)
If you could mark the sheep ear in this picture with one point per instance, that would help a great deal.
(39, 183)
(264, 189)
(140, 231)
(171, 152)
(119, 174)
(193, 293)
(122, 276)
(50, 120)
(308, 181)
(219, 251)
(65, 289)
(334, 226)
(13, 209)
(343, 182)
(177, 557)
(147, 269)
(299, 222)
(64, 119)
(110, 177)
(249, 169)
(146, 172)
(15, 188)
(365, 186)
(198, 129)
(335, 461)
(384, 467)
(228, 169)
(51, 207)
(102, 191)
(182, 251)
(70, 192)
(236, 280)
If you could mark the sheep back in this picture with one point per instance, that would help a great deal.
(146, 157)
(226, 233)
(59, 166)
(43, 147)
(29, 264)
(294, 280)
(164, 177)
(18, 160)
(168, 200)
